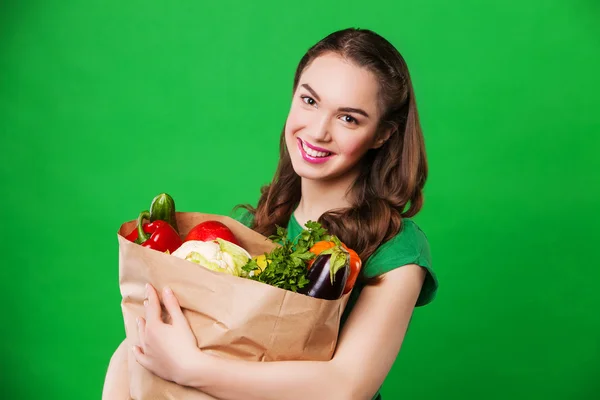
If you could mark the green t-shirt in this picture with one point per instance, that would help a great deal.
(409, 246)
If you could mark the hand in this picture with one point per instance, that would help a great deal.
(169, 351)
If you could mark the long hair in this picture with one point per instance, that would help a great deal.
(389, 186)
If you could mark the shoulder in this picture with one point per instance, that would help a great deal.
(409, 246)
(243, 215)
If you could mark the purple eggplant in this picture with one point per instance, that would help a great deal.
(328, 275)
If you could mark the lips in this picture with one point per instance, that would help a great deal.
(315, 147)
(313, 154)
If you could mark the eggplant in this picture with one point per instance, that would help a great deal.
(327, 278)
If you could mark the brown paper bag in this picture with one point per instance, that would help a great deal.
(230, 316)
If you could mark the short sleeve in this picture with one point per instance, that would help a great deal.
(409, 246)
(243, 215)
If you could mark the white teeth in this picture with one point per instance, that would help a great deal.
(313, 153)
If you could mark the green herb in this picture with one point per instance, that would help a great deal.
(286, 264)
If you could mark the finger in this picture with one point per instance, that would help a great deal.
(172, 305)
(140, 357)
(153, 309)
(141, 322)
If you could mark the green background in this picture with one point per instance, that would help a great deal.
(104, 104)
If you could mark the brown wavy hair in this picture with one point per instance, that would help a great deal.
(390, 184)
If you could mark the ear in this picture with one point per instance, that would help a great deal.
(383, 137)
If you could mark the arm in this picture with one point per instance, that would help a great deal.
(366, 350)
(116, 383)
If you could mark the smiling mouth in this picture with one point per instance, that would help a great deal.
(312, 152)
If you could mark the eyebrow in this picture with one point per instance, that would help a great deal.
(344, 109)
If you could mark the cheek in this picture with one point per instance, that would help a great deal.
(292, 126)
(294, 122)
(354, 148)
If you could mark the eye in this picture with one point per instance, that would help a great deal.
(350, 119)
(308, 100)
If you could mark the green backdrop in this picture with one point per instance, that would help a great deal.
(104, 104)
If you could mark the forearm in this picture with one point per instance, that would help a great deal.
(116, 382)
(281, 380)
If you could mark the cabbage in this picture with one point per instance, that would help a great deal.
(218, 255)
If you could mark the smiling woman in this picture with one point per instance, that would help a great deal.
(352, 157)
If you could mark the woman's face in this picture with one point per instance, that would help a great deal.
(333, 119)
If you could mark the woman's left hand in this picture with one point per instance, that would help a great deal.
(170, 351)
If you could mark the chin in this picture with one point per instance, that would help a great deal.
(305, 171)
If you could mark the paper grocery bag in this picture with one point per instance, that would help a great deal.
(230, 316)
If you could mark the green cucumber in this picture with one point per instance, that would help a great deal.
(163, 208)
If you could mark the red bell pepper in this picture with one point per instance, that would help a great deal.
(133, 236)
(158, 235)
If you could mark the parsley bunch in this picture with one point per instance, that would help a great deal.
(286, 264)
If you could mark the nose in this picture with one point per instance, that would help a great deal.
(320, 129)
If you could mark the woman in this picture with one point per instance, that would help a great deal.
(353, 158)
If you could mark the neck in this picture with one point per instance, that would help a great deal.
(318, 197)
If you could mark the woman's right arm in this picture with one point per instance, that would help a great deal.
(365, 352)
(116, 383)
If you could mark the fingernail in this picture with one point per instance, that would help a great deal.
(137, 320)
(145, 303)
(168, 291)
